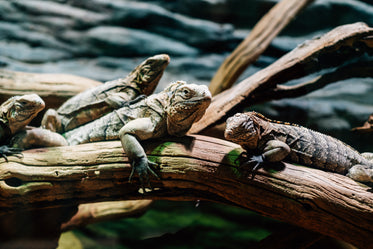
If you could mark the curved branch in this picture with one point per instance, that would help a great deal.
(353, 70)
(194, 167)
(332, 49)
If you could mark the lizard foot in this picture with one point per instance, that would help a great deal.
(142, 166)
(361, 173)
(251, 163)
(9, 151)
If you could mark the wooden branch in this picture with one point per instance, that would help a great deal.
(54, 89)
(353, 70)
(194, 167)
(332, 49)
(104, 211)
(255, 43)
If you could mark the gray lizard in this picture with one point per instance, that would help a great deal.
(170, 112)
(273, 141)
(98, 101)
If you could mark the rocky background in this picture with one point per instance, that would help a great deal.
(104, 40)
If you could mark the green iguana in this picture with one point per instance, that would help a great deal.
(272, 141)
(15, 114)
(170, 112)
(98, 101)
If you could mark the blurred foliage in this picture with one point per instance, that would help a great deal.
(170, 224)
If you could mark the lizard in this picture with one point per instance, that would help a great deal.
(15, 114)
(274, 141)
(98, 101)
(170, 112)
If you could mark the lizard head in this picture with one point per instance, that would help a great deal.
(149, 72)
(18, 111)
(243, 129)
(186, 104)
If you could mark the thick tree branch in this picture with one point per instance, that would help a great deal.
(191, 168)
(54, 89)
(255, 43)
(332, 49)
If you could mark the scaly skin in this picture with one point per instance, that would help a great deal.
(272, 141)
(170, 112)
(15, 114)
(98, 101)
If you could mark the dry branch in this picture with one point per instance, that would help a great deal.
(332, 49)
(103, 211)
(191, 168)
(54, 89)
(353, 70)
(255, 43)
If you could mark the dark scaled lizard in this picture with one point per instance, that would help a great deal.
(98, 101)
(272, 141)
(170, 112)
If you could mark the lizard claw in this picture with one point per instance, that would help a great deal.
(142, 166)
(9, 151)
(247, 162)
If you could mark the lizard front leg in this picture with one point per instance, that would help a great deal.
(52, 121)
(130, 134)
(274, 151)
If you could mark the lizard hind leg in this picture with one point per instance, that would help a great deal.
(361, 173)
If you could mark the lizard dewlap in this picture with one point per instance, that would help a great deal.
(276, 141)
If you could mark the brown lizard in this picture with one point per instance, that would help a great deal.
(273, 141)
(15, 114)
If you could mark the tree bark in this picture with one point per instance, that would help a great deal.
(332, 49)
(194, 167)
(54, 89)
(255, 43)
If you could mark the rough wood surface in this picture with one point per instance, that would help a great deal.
(255, 43)
(194, 167)
(332, 49)
(54, 89)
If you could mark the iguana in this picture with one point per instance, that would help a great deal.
(273, 141)
(170, 112)
(15, 114)
(98, 101)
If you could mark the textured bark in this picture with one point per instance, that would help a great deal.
(195, 167)
(255, 43)
(332, 49)
(54, 89)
